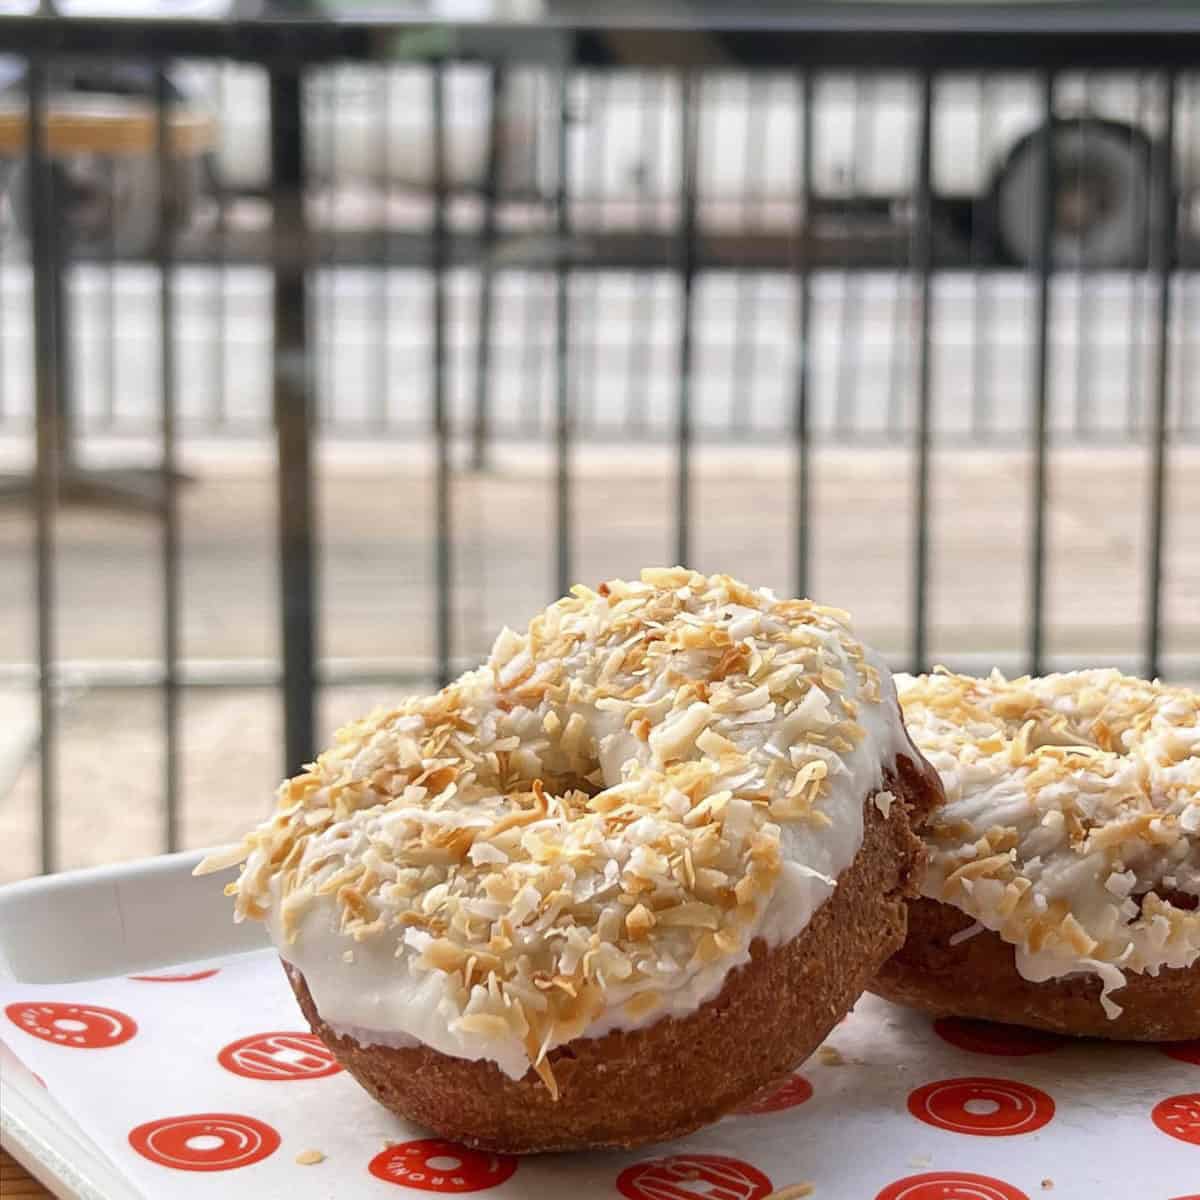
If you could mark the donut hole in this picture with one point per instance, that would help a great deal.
(981, 1106)
(581, 753)
(443, 1162)
(67, 1025)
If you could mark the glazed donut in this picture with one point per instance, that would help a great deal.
(613, 883)
(1064, 865)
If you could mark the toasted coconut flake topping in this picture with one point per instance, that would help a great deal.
(1072, 807)
(597, 811)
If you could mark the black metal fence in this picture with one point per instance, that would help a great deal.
(645, 232)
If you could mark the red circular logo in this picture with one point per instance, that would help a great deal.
(795, 1091)
(1188, 1052)
(1179, 1116)
(279, 1056)
(985, 1107)
(84, 1026)
(434, 1165)
(950, 1185)
(686, 1176)
(989, 1037)
(205, 1141)
(176, 978)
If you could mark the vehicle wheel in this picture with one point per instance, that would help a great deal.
(1101, 209)
(109, 203)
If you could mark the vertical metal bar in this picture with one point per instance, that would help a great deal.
(389, 252)
(375, 349)
(1163, 259)
(1084, 350)
(600, 93)
(746, 295)
(58, 253)
(651, 94)
(108, 302)
(535, 308)
(687, 275)
(4, 244)
(221, 234)
(165, 250)
(481, 427)
(898, 376)
(1134, 389)
(803, 235)
(562, 349)
(981, 358)
(923, 268)
(442, 515)
(1189, 327)
(1043, 265)
(850, 315)
(44, 254)
(293, 409)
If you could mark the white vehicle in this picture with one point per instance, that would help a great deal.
(371, 126)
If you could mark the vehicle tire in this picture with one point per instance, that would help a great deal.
(111, 204)
(1101, 209)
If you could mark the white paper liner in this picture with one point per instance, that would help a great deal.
(1125, 1119)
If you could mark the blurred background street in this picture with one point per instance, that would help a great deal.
(732, 294)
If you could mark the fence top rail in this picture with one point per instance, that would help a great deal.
(865, 34)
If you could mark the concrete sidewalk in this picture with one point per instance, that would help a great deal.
(377, 600)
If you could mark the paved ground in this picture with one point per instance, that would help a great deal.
(377, 598)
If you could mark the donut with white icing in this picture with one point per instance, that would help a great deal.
(1064, 866)
(611, 884)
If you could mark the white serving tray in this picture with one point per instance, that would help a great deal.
(1105, 1141)
(89, 925)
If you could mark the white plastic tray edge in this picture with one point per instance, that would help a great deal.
(104, 921)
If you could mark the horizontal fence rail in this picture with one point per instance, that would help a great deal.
(572, 245)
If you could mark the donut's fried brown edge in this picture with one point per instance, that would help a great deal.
(978, 978)
(676, 1075)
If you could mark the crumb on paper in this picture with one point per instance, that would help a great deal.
(794, 1191)
(310, 1158)
(831, 1056)
(1047, 1184)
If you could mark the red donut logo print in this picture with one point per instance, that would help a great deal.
(277, 1056)
(435, 1165)
(81, 1026)
(1179, 1117)
(205, 1142)
(950, 1185)
(1188, 1052)
(689, 1176)
(990, 1037)
(795, 1091)
(191, 977)
(983, 1107)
